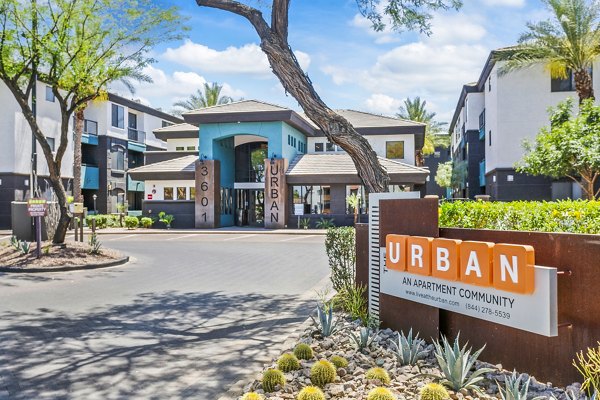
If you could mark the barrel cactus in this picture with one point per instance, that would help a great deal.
(339, 362)
(311, 393)
(252, 396)
(288, 362)
(303, 351)
(380, 374)
(322, 373)
(380, 393)
(271, 378)
(433, 391)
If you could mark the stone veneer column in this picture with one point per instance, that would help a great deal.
(275, 194)
(208, 194)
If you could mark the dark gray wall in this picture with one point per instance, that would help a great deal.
(183, 211)
(523, 187)
(432, 162)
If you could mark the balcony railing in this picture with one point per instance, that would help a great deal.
(136, 136)
(482, 173)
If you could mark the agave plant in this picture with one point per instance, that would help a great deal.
(408, 349)
(325, 322)
(515, 388)
(24, 247)
(456, 363)
(14, 242)
(365, 337)
(570, 395)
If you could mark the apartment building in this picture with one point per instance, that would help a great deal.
(117, 132)
(261, 164)
(493, 116)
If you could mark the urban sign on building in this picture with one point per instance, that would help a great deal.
(499, 283)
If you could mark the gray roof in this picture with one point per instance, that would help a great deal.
(361, 119)
(242, 106)
(177, 168)
(331, 168)
(176, 131)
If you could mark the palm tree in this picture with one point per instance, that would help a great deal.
(210, 96)
(416, 110)
(568, 42)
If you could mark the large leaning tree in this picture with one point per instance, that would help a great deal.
(77, 48)
(400, 14)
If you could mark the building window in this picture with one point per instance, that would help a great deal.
(316, 199)
(490, 138)
(330, 147)
(181, 193)
(192, 193)
(191, 148)
(90, 127)
(394, 150)
(399, 188)
(51, 143)
(490, 84)
(165, 124)
(566, 84)
(50, 94)
(437, 154)
(226, 201)
(118, 158)
(179, 148)
(168, 193)
(118, 116)
(318, 147)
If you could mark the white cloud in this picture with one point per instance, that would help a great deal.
(387, 35)
(505, 3)
(169, 88)
(247, 59)
(382, 104)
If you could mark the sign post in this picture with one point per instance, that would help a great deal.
(299, 211)
(37, 209)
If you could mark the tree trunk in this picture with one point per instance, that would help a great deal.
(79, 121)
(584, 85)
(285, 66)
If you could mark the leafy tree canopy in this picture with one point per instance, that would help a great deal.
(569, 147)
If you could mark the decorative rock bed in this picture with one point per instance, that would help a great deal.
(406, 381)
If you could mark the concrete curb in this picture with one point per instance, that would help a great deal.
(236, 389)
(114, 263)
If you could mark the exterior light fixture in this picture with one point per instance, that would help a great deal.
(202, 158)
(273, 156)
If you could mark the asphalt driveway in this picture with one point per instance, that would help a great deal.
(191, 314)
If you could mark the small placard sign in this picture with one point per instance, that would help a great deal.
(37, 207)
(298, 209)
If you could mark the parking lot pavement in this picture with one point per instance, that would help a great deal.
(190, 314)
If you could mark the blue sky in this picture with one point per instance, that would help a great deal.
(350, 65)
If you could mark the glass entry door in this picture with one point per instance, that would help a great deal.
(250, 207)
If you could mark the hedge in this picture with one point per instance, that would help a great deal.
(577, 216)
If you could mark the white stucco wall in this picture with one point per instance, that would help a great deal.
(516, 109)
(172, 144)
(15, 134)
(156, 188)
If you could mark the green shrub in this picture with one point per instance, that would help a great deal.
(433, 391)
(380, 394)
(252, 396)
(324, 223)
(574, 216)
(304, 223)
(354, 302)
(271, 378)
(341, 252)
(166, 219)
(146, 222)
(339, 361)
(380, 374)
(288, 362)
(95, 244)
(303, 351)
(311, 393)
(322, 373)
(131, 222)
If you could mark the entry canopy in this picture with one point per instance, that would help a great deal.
(339, 168)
